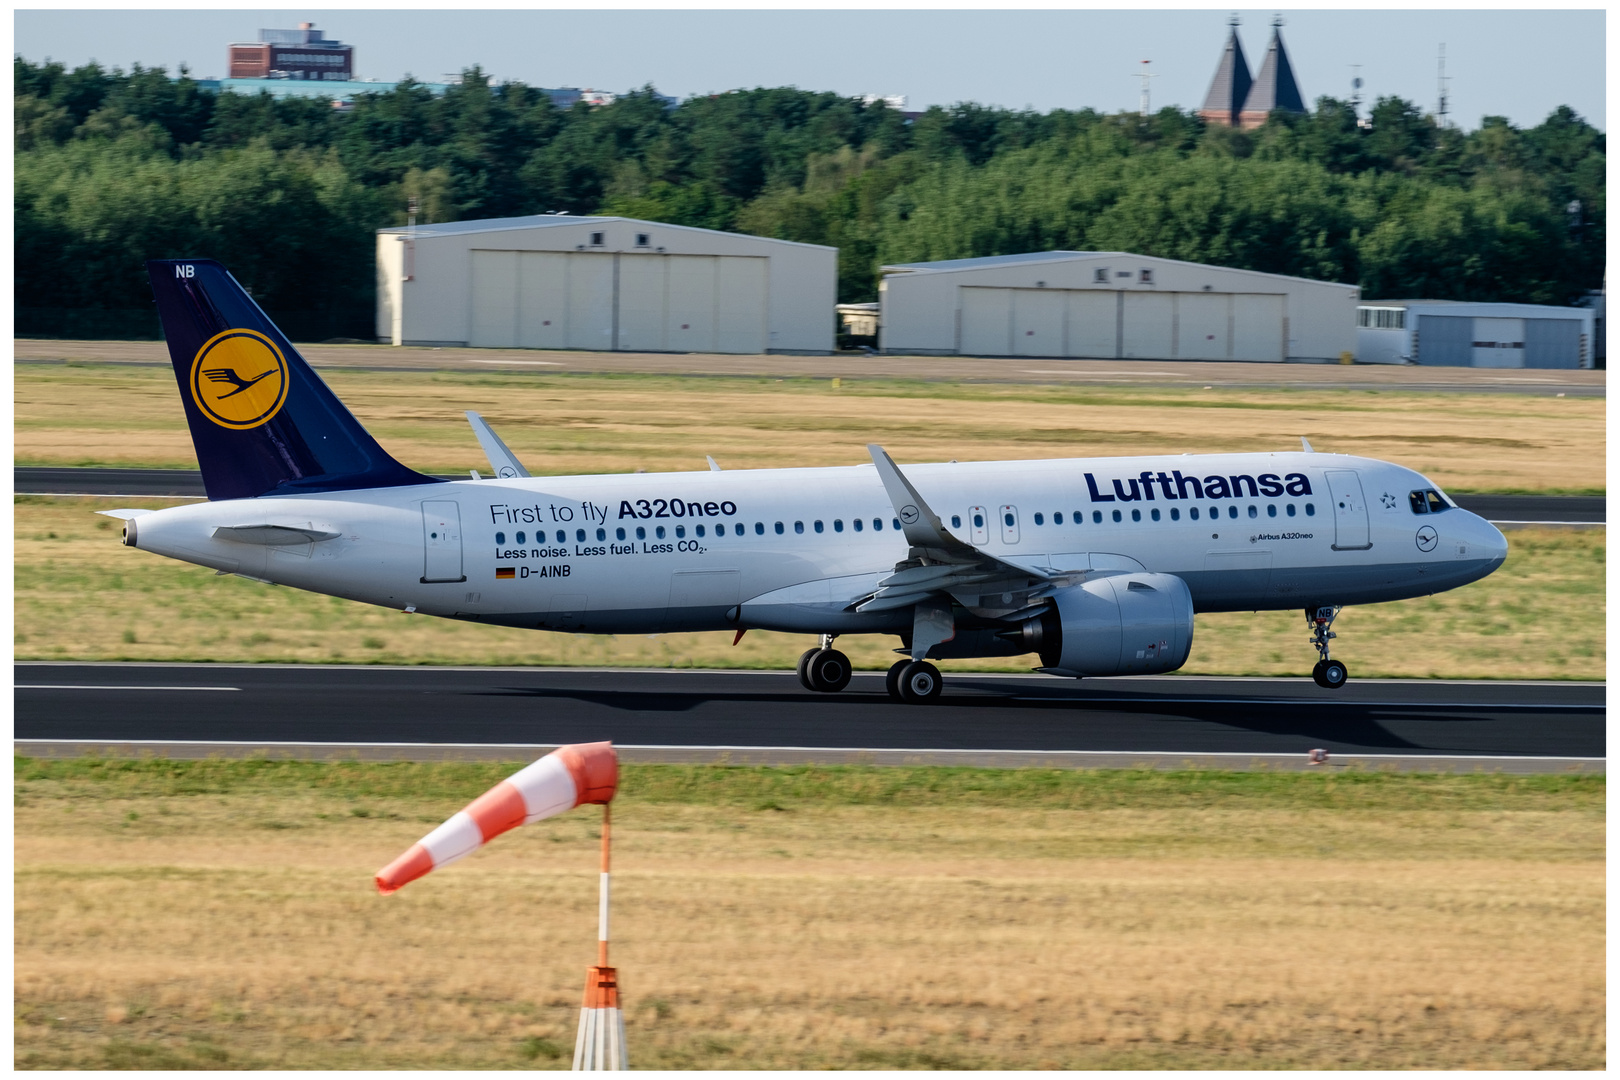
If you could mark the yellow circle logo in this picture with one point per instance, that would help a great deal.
(239, 379)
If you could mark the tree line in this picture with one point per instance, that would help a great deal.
(113, 168)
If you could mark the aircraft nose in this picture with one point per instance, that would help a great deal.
(1491, 543)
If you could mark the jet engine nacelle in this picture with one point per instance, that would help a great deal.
(1126, 624)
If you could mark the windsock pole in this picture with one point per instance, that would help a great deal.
(600, 1044)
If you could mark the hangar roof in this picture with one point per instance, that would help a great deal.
(545, 221)
(991, 262)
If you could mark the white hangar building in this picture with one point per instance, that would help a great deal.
(1111, 305)
(1453, 333)
(602, 283)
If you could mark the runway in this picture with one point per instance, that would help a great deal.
(149, 483)
(767, 716)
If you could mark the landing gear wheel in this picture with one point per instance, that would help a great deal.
(1331, 674)
(919, 683)
(828, 671)
(804, 668)
(891, 681)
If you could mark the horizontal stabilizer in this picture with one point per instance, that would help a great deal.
(501, 458)
(273, 535)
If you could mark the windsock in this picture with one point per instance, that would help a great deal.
(567, 777)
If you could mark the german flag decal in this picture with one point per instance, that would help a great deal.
(505, 571)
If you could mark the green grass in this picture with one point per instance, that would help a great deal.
(779, 789)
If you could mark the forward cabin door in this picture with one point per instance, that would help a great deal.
(1349, 511)
(441, 535)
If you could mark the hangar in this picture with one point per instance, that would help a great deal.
(1112, 305)
(1454, 333)
(602, 283)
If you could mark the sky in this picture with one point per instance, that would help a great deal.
(1513, 63)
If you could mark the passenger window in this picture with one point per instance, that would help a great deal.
(520, 537)
(1436, 503)
(1040, 519)
(1117, 517)
(1254, 511)
(1007, 520)
(778, 528)
(895, 522)
(1096, 517)
(562, 536)
(1271, 510)
(818, 526)
(579, 535)
(1057, 518)
(838, 524)
(798, 526)
(759, 528)
(1310, 509)
(956, 521)
(1175, 515)
(680, 532)
(500, 538)
(1231, 511)
(659, 532)
(601, 534)
(978, 521)
(1192, 512)
(1290, 509)
(699, 529)
(641, 533)
(619, 532)
(1136, 515)
(1155, 513)
(859, 525)
(877, 524)
(1420, 504)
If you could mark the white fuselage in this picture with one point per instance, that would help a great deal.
(794, 549)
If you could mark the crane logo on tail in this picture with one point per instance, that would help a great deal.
(239, 379)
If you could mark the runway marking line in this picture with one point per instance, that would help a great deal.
(79, 686)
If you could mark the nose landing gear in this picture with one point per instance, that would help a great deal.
(1329, 674)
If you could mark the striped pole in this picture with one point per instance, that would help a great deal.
(600, 1045)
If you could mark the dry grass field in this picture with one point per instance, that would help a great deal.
(110, 414)
(80, 595)
(221, 915)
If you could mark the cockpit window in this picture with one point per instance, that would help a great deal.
(1428, 502)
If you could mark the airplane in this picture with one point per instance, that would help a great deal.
(1096, 565)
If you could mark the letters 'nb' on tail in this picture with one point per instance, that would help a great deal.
(262, 421)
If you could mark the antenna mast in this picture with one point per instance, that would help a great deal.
(1441, 112)
(1144, 74)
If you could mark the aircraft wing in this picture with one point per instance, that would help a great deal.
(501, 459)
(940, 563)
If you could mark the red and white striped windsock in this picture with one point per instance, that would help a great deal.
(567, 777)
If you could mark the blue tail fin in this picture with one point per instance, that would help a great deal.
(262, 421)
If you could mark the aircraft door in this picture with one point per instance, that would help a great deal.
(979, 519)
(441, 535)
(1349, 511)
(1009, 523)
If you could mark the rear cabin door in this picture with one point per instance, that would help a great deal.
(1349, 511)
(441, 535)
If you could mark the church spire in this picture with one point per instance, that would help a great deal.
(1230, 87)
(1275, 88)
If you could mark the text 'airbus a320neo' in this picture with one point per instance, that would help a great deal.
(1095, 564)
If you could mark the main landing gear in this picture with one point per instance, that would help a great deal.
(824, 669)
(915, 682)
(1329, 674)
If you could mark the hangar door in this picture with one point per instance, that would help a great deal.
(541, 300)
(1110, 324)
(600, 301)
(1444, 341)
(1552, 343)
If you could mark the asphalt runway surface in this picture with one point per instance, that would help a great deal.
(1165, 715)
(150, 483)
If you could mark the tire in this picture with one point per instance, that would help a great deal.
(1316, 672)
(891, 681)
(829, 671)
(919, 683)
(804, 668)
(1332, 675)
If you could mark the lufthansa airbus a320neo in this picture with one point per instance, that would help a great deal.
(1097, 565)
